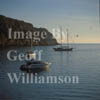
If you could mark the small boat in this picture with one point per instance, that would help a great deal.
(64, 48)
(34, 64)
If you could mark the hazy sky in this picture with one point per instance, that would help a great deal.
(80, 16)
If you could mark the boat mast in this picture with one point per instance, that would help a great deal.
(61, 35)
(31, 43)
(67, 38)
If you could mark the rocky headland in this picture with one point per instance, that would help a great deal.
(18, 25)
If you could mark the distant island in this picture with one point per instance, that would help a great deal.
(18, 25)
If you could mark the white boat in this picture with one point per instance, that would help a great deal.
(33, 64)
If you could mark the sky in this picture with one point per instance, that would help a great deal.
(79, 16)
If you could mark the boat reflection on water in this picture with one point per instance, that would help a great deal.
(36, 70)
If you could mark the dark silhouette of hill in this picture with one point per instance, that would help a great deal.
(18, 25)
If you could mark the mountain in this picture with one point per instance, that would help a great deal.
(20, 26)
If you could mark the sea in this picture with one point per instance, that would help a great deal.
(83, 61)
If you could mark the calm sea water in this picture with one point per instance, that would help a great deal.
(84, 62)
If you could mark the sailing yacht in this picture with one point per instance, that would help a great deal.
(64, 48)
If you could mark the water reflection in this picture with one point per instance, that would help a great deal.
(36, 70)
(84, 62)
